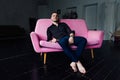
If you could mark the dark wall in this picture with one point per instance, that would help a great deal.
(17, 12)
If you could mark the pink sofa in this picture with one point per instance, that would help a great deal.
(39, 37)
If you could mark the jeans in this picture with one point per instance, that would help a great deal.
(80, 42)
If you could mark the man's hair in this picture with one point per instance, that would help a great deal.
(54, 12)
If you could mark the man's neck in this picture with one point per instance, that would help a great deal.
(55, 23)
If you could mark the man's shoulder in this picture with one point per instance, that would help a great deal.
(50, 26)
(63, 23)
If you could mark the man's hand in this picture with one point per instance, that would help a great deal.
(54, 40)
(71, 34)
(71, 40)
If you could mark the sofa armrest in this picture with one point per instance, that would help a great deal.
(96, 35)
(35, 41)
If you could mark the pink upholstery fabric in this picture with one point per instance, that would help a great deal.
(41, 28)
(52, 45)
(47, 44)
(39, 36)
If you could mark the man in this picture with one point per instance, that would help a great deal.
(61, 33)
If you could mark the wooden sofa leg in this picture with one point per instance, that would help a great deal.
(92, 54)
(45, 55)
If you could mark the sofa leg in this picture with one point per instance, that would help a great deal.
(92, 54)
(45, 55)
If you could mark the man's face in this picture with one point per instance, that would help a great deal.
(54, 17)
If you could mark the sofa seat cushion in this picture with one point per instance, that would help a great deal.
(91, 42)
(44, 43)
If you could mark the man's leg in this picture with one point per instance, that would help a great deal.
(66, 47)
(80, 42)
(74, 57)
(67, 50)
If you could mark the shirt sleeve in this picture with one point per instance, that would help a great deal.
(69, 30)
(49, 35)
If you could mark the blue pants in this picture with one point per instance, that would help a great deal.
(80, 42)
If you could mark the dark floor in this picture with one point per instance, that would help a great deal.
(18, 61)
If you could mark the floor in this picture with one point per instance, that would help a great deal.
(18, 61)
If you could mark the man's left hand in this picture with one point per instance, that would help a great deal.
(71, 40)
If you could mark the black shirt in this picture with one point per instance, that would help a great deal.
(58, 31)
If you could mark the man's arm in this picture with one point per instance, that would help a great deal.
(72, 34)
(49, 35)
(69, 31)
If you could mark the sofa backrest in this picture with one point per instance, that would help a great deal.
(78, 25)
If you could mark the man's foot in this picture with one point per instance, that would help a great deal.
(73, 66)
(81, 68)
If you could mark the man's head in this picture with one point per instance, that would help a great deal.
(54, 17)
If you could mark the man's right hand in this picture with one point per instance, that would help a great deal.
(54, 40)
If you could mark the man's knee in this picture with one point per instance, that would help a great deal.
(85, 40)
(82, 39)
(63, 42)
